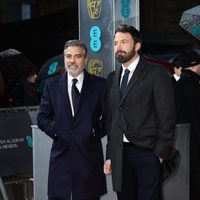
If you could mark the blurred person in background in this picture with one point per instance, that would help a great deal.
(187, 95)
(25, 89)
(31, 96)
(177, 67)
(178, 64)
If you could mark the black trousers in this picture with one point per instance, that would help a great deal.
(142, 174)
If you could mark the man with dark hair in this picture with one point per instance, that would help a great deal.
(187, 95)
(72, 113)
(177, 67)
(178, 64)
(141, 120)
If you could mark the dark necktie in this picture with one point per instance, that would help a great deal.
(75, 94)
(124, 82)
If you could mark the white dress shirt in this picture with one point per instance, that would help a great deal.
(79, 85)
(131, 68)
(176, 77)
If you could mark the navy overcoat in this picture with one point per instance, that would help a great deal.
(76, 159)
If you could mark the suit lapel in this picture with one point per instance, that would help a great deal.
(63, 85)
(135, 77)
(85, 91)
(116, 82)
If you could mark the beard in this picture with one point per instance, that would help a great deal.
(123, 57)
(73, 71)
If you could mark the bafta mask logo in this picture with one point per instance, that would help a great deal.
(94, 8)
(95, 67)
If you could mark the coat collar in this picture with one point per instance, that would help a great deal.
(85, 91)
(62, 85)
(87, 86)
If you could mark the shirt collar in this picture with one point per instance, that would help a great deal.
(132, 66)
(79, 78)
(176, 77)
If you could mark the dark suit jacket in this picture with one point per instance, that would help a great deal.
(145, 114)
(187, 96)
(76, 160)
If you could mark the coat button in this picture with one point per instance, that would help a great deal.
(71, 131)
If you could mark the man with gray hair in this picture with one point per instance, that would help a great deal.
(72, 113)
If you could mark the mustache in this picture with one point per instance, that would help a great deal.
(72, 64)
(120, 52)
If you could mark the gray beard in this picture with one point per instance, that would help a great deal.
(74, 72)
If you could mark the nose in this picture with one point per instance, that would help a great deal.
(72, 59)
(117, 47)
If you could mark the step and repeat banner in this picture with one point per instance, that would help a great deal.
(97, 23)
(15, 143)
(127, 11)
(96, 31)
(16, 155)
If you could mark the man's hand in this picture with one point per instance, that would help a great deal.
(107, 167)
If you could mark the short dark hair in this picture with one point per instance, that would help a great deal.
(76, 43)
(177, 61)
(125, 28)
(186, 59)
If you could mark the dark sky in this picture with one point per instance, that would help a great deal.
(41, 38)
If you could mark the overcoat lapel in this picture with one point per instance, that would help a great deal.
(62, 84)
(116, 83)
(86, 90)
(139, 71)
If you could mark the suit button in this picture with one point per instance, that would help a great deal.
(121, 108)
(71, 131)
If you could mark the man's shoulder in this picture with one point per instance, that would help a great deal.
(97, 80)
(157, 69)
(189, 79)
(111, 74)
(151, 64)
(53, 79)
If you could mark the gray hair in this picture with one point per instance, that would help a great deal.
(76, 43)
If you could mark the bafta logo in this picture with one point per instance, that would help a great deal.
(94, 8)
(95, 67)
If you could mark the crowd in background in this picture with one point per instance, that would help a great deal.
(18, 80)
(186, 81)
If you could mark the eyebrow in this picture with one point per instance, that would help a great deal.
(124, 40)
(74, 54)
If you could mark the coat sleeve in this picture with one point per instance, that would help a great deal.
(45, 118)
(166, 111)
(109, 114)
(101, 127)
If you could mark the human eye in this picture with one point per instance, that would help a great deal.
(124, 41)
(67, 55)
(79, 56)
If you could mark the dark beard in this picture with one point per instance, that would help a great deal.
(125, 57)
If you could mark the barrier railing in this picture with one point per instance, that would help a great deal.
(16, 146)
